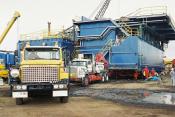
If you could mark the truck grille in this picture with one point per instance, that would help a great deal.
(39, 74)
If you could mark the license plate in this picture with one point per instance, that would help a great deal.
(20, 94)
(60, 93)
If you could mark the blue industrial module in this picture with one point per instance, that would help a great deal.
(128, 43)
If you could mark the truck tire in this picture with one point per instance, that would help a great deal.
(103, 78)
(85, 81)
(10, 91)
(106, 78)
(19, 101)
(64, 99)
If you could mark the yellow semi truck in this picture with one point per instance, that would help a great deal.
(41, 71)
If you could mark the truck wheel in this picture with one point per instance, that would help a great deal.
(10, 92)
(106, 78)
(85, 81)
(64, 99)
(103, 78)
(19, 101)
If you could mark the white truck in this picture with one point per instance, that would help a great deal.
(86, 71)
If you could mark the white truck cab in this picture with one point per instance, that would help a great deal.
(80, 68)
(86, 71)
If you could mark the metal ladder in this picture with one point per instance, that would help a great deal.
(107, 47)
(124, 24)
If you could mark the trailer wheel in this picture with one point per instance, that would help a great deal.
(19, 101)
(11, 90)
(103, 78)
(64, 99)
(85, 81)
(106, 78)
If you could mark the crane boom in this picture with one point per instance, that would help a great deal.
(103, 9)
(10, 24)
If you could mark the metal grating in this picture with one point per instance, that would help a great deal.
(39, 74)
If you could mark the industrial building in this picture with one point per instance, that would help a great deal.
(128, 43)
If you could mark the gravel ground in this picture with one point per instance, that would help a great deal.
(122, 98)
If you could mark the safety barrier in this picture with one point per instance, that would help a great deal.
(44, 34)
(156, 10)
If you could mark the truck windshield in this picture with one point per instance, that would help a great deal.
(42, 53)
(79, 63)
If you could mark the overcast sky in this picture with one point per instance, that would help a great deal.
(36, 13)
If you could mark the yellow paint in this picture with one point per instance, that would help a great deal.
(3, 72)
(63, 75)
(2, 66)
(54, 63)
(167, 61)
(10, 24)
(41, 62)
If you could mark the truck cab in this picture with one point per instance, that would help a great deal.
(86, 71)
(81, 68)
(41, 71)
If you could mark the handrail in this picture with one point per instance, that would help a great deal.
(121, 28)
(105, 32)
(172, 22)
(107, 46)
(155, 10)
(43, 34)
(127, 28)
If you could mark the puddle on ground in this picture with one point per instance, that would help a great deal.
(161, 98)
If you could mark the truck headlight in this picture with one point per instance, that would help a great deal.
(14, 73)
(55, 86)
(61, 86)
(24, 87)
(18, 87)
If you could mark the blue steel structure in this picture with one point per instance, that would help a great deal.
(66, 44)
(8, 57)
(128, 43)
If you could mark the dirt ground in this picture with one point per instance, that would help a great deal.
(77, 107)
(164, 84)
(81, 106)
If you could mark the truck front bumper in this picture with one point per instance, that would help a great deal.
(76, 79)
(56, 90)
